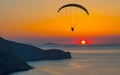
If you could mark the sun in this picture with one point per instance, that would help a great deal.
(83, 42)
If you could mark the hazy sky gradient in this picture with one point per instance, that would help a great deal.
(38, 21)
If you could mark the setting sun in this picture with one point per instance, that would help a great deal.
(83, 42)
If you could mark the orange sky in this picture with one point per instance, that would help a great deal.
(39, 19)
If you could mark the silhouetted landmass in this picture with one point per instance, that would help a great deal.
(31, 53)
(49, 43)
(13, 56)
(8, 61)
(87, 45)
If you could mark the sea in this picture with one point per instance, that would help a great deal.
(86, 60)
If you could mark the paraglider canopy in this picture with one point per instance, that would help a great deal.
(74, 5)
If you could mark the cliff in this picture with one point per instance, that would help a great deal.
(31, 53)
(8, 61)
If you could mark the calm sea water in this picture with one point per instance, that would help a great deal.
(85, 61)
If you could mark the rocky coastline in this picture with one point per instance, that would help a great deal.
(13, 56)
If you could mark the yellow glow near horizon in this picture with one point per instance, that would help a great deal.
(58, 26)
(92, 25)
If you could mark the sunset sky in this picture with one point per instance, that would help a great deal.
(37, 21)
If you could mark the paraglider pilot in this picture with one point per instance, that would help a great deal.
(72, 28)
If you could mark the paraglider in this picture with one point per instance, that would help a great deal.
(72, 28)
(73, 17)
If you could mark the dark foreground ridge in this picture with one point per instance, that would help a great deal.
(13, 56)
(31, 53)
(8, 61)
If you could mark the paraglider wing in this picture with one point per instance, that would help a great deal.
(74, 5)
